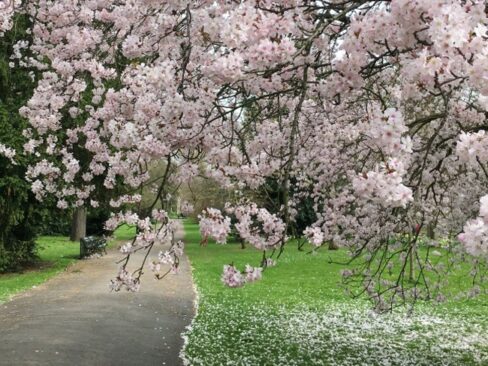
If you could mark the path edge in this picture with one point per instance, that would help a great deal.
(188, 329)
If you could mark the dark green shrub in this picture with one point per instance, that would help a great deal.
(18, 216)
(95, 221)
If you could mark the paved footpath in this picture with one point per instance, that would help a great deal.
(73, 319)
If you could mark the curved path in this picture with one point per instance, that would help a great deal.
(73, 319)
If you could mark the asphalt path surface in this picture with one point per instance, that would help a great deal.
(73, 319)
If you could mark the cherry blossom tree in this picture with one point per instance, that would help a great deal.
(375, 110)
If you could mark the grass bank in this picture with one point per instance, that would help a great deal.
(55, 253)
(298, 314)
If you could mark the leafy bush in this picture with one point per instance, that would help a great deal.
(53, 221)
(18, 227)
(95, 221)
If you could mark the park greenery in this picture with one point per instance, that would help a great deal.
(300, 314)
(54, 254)
(313, 122)
(18, 224)
(337, 150)
(22, 217)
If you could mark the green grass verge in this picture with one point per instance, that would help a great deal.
(298, 314)
(125, 232)
(55, 253)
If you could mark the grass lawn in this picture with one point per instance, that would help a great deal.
(299, 315)
(55, 254)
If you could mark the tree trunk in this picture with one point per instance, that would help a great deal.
(332, 245)
(411, 269)
(78, 224)
(431, 231)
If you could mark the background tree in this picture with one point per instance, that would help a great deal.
(20, 214)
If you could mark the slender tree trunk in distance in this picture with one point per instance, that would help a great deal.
(431, 231)
(411, 269)
(78, 224)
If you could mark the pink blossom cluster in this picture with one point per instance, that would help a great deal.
(384, 185)
(314, 235)
(214, 225)
(387, 130)
(253, 273)
(148, 234)
(130, 218)
(187, 208)
(8, 152)
(125, 280)
(232, 277)
(161, 216)
(169, 257)
(125, 199)
(7, 10)
(472, 148)
(475, 232)
(259, 227)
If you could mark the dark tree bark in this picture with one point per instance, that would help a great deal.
(431, 231)
(78, 224)
(332, 245)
